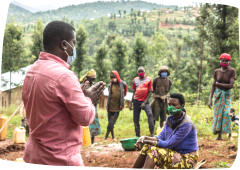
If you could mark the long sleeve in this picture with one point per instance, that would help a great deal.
(70, 94)
(161, 136)
(177, 138)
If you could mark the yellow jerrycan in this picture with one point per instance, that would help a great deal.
(19, 135)
(19, 160)
(3, 134)
(86, 140)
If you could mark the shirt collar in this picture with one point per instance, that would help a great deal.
(172, 117)
(48, 56)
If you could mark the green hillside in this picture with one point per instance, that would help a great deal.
(87, 11)
(16, 10)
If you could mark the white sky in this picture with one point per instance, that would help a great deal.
(62, 3)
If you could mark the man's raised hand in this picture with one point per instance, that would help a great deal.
(94, 92)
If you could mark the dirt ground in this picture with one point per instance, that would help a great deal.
(111, 154)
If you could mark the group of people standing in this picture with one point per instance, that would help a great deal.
(142, 89)
(57, 107)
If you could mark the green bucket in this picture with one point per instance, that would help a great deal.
(128, 144)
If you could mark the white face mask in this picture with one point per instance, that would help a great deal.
(71, 58)
(114, 80)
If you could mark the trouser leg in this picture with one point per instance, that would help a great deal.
(112, 120)
(150, 118)
(136, 115)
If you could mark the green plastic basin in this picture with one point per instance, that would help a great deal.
(128, 144)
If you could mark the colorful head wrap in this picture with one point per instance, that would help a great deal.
(90, 74)
(164, 68)
(226, 56)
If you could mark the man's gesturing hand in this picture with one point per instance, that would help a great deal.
(94, 92)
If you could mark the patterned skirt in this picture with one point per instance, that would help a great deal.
(94, 127)
(221, 112)
(169, 159)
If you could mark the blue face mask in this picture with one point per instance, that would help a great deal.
(164, 74)
(71, 58)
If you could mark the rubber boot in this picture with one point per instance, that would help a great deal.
(92, 140)
(107, 133)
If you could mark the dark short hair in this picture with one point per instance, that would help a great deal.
(55, 32)
(179, 97)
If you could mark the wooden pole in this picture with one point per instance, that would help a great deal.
(11, 117)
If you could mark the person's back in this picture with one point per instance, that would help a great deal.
(56, 107)
(43, 95)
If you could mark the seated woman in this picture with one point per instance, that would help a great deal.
(176, 146)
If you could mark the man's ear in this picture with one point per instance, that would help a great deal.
(63, 45)
(183, 106)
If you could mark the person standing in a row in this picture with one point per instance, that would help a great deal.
(94, 127)
(222, 84)
(142, 87)
(161, 88)
(117, 90)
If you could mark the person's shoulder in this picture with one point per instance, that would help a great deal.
(123, 82)
(136, 78)
(149, 78)
(155, 78)
(232, 69)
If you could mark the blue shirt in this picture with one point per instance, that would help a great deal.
(183, 140)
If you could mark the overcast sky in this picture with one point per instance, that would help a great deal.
(62, 3)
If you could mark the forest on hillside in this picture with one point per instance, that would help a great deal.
(78, 12)
(188, 42)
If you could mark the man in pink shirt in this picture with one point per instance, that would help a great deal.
(56, 106)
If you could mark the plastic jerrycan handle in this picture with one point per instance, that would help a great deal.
(21, 128)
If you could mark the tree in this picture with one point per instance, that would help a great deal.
(81, 50)
(37, 39)
(120, 13)
(100, 63)
(176, 8)
(112, 25)
(222, 34)
(125, 12)
(166, 21)
(158, 47)
(139, 13)
(140, 50)
(110, 40)
(13, 55)
(118, 55)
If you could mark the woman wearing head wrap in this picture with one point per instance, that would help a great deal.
(161, 88)
(94, 127)
(222, 84)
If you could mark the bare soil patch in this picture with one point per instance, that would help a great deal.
(110, 153)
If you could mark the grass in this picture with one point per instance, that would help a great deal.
(221, 164)
(124, 127)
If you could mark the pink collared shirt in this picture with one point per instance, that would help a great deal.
(56, 110)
